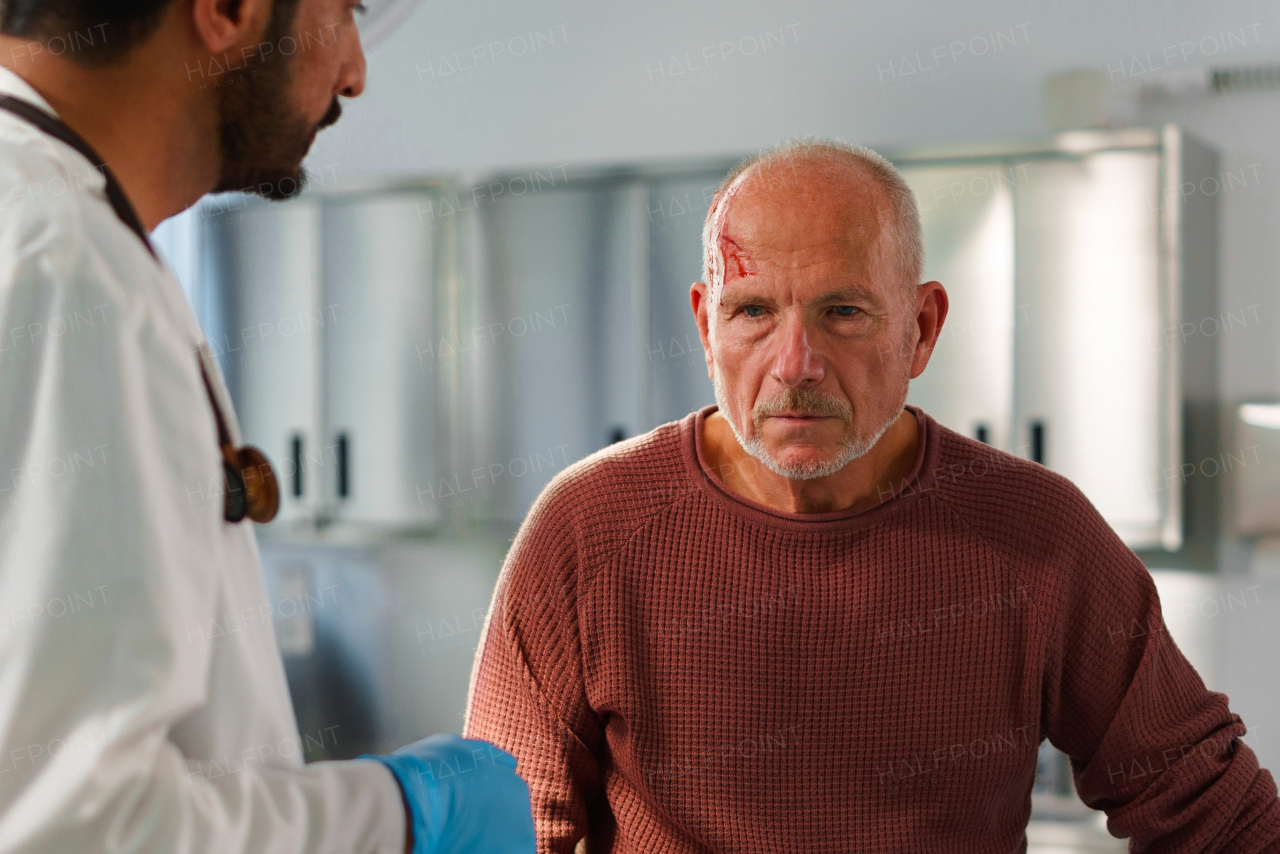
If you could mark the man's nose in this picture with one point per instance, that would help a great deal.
(796, 363)
(351, 76)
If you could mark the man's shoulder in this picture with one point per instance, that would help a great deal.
(61, 239)
(961, 458)
(1017, 505)
(633, 476)
(602, 499)
(42, 196)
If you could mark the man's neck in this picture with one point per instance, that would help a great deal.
(158, 140)
(867, 480)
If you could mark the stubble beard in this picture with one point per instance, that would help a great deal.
(814, 402)
(851, 447)
(262, 140)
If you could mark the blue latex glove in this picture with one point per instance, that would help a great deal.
(463, 796)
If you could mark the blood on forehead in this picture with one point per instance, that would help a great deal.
(727, 257)
(738, 263)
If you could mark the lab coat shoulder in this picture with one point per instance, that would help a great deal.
(53, 207)
(100, 561)
(42, 189)
(115, 563)
(90, 360)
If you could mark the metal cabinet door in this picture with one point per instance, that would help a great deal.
(1089, 365)
(967, 216)
(272, 344)
(556, 320)
(378, 283)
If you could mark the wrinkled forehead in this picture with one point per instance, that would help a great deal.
(784, 216)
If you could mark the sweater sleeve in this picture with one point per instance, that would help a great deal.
(527, 690)
(1149, 744)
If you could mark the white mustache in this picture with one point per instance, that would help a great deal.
(802, 401)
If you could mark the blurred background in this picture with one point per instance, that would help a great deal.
(487, 279)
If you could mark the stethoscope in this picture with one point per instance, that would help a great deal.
(252, 490)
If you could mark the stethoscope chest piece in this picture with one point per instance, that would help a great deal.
(252, 489)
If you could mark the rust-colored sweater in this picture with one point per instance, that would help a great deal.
(678, 669)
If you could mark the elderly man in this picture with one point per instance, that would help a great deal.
(810, 618)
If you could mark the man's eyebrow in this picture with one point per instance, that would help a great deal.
(848, 294)
(737, 298)
(739, 290)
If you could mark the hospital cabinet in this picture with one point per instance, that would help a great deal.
(1081, 271)
(429, 352)
(328, 305)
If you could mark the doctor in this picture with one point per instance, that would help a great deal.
(123, 725)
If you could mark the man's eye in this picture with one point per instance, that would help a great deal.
(753, 311)
(845, 310)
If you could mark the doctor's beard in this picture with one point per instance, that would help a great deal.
(263, 141)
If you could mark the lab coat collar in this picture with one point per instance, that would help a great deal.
(13, 85)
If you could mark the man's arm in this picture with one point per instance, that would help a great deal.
(1149, 744)
(527, 693)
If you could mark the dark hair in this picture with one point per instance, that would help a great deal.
(98, 32)
(92, 32)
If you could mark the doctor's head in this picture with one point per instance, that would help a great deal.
(271, 70)
(811, 310)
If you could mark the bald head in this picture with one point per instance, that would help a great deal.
(813, 190)
(811, 313)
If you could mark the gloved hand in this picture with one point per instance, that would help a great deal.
(463, 796)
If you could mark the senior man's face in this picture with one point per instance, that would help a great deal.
(810, 342)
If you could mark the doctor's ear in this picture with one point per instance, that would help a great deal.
(231, 26)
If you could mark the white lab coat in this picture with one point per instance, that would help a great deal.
(143, 704)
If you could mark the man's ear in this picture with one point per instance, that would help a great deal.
(231, 25)
(931, 312)
(699, 297)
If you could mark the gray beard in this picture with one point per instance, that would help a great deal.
(850, 450)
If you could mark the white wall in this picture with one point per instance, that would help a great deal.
(596, 94)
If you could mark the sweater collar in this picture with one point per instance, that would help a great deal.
(906, 492)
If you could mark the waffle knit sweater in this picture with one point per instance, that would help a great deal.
(678, 669)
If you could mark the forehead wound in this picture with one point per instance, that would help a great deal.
(728, 257)
(737, 261)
